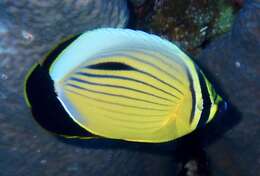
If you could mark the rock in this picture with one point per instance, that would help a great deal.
(238, 2)
(50, 15)
(26, 149)
(137, 2)
(190, 23)
(233, 60)
(29, 29)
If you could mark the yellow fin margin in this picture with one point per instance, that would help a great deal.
(25, 81)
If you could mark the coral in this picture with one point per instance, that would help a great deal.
(224, 19)
(190, 23)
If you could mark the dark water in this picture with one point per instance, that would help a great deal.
(228, 146)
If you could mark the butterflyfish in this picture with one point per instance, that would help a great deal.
(120, 84)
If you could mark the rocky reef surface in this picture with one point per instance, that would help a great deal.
(233, 61)
(29, 29)
(189, 23)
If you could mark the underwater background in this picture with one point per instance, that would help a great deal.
(222, 36)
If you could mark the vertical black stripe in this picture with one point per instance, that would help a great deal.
(193, 96)
(206, 100)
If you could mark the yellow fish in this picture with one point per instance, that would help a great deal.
(120, 84)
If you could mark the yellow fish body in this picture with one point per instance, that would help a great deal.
(120, 84)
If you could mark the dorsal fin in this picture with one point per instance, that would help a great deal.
(93, 43)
